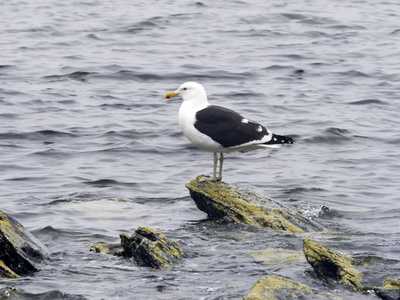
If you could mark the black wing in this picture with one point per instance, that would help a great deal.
(227, 127)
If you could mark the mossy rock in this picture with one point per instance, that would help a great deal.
(101, 247)
(151, 248)
(391, 284)
(278, 256)
(277, 287)
(389, 290)
(332, 265)
(219, 199)
(20, 252)
(147, 247)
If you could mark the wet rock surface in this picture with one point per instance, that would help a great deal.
(332, 265)
(20, 252)
(151, 248)
(277, 287)
(147, 247)
(219, 199)
(390, 290)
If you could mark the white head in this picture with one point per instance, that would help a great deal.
(189, 91)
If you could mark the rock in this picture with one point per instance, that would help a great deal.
(151, 248)
(113, 249)
(20, 252)
(390, 290)
(278, 256)
(20, 294)
(332, 265)
(277, 287)
(391, 284)
(146, 247)
(219, 199)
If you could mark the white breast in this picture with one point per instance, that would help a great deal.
(187, 118)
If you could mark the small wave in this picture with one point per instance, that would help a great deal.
(298, 190)
(78, 76)
(6, 67)
(294, 16)
(353, 73)
(13, 293)
(246, 95)
(316, 211)
(278, 67)
(397, 31)
(93, 37)
(35, 135)
(347, 27)
(332, 135)
(142, 25)
(104, 183)
(367, 101)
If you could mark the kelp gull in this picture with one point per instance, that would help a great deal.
(218, 129)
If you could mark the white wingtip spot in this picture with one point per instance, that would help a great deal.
(245, 121)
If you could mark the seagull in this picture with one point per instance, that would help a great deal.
(218, 129)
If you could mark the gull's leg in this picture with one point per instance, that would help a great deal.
(215, 167)
(221, 162)
(214, 177)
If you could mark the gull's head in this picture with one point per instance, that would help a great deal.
(189, 91)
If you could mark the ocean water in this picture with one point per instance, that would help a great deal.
(91, 149)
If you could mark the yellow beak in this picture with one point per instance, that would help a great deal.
(171, 95)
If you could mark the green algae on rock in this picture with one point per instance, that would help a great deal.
(147, 247)
(150, 248)
(20, 252)
(219, 199)
(332, 265)
(277, 287)
(278, 256)
(391, 284)
(389, 290)
(101, 247)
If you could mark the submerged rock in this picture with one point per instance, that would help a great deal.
(332, 265)
(20, 252)
(278, 256)
(277, 287)
(113, 249)
(13, 293)
(147, 247)
(219, 199)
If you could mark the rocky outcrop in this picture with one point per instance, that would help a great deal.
(20, 253)
(219, 199)
(332, 265)
(147, 247)
(277, 287)
(390, 289)
(151, 248)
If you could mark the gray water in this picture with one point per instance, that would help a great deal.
(91, 149)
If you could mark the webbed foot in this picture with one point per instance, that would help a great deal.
(210, 179)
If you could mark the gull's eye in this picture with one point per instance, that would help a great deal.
(184, 89)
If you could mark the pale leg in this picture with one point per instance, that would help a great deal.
(221, 162)
(215, 166)
(214, 177)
